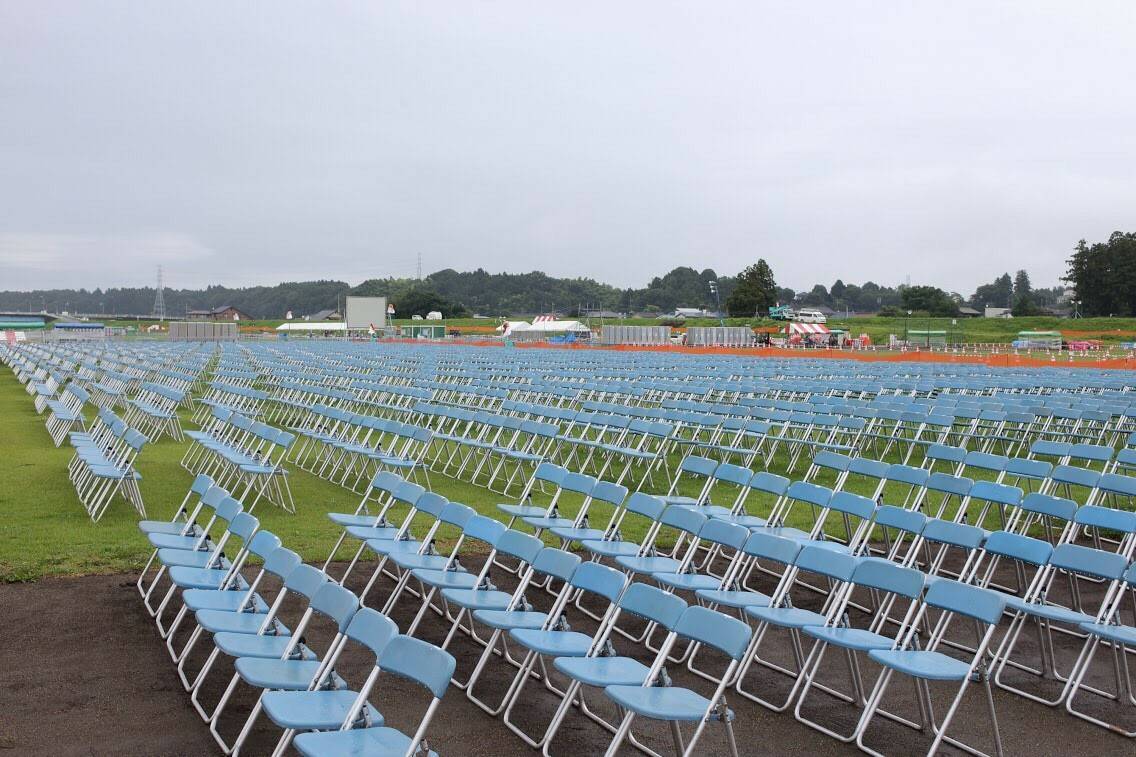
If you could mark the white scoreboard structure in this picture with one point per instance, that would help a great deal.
(362, 312)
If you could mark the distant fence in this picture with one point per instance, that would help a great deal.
(719, 336)
(202, 331)
(640, 335)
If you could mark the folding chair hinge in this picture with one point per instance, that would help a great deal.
(486, 585)
(455, 566)
(523, 604)
(562, 624)
(722, 713)
(423, 747)
(980, 674)
(607, 650)
(663, 679)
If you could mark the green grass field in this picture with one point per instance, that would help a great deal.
(46, 532)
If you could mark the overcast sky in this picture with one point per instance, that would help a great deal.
(254, 142)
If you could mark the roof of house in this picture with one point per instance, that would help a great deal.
(324, 315)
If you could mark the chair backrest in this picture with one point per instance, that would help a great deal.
(700, 466)
(1019, 547)
(556, 563)
(723, 532)
(243, 525)
(609, 492)
(228, 509)
(372, 629)
(770, 547)
(484, 529)
(524, 547)
(900, 518)
(652, 603)
(386, 481)
(201, 484)
(1107, 518)
(456, 514)
(281, 561)
(683, 518)
(852, 504)
(964, 599)
(955, 534)
(264, 544)
(886, 576)
(408, 492)
(337, 603)
(550, 472)
(770, 483)
(811, 493)
(1047, 504)
(646, 505)
(728, 635)
(1087, 561)
(599, 579)
(305, 580)
(581, 483)
(838, 566)
(418, 661)
(431, 503)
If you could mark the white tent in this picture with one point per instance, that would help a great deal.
(508, 327)
(316, 326)
(557, 327)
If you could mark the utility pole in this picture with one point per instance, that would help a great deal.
(420, 266)
(160, 299)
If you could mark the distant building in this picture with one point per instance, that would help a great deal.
(223, 313)
(997, 313)
(601, 314)
(326, 315)
(689, 313)
(968, 312)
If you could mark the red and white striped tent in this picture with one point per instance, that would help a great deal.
(806, 328)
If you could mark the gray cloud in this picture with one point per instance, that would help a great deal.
(255, 142)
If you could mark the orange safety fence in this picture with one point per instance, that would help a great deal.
(1001, 360)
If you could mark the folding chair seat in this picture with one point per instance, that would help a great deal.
(331, 601)
(407, 558)
(896, 594)
(763, 483)
(383, 484)
(330, 709)
(183, 521)
(729, 636)
(550, 564)
(401, 494)
(576, 483)
(644, 506)
(407, 658)
(545, 473)
(931, 664)
(591, 578)
(1108, 630)
(782, 613)
(1041, 607)
(602, 492)
(680, 521)
(694, 467)
(601, 668)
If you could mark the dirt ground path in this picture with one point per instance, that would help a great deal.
(83, 672)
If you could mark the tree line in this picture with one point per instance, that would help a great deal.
(1103, 276)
